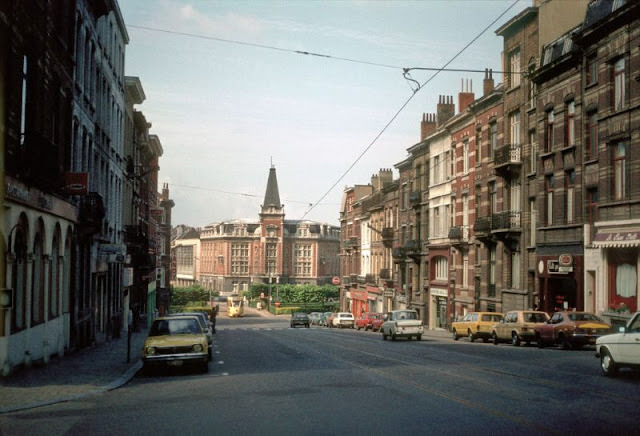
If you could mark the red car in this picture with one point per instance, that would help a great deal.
(571, 330)
(369, 320)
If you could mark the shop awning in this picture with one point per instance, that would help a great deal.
(617, 239)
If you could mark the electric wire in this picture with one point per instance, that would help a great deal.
(397, 113)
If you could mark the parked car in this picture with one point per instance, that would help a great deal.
(300, 318)
(402, 323)
(205, 323)
(369, 320)
(176, 341)
(342, 320)
(325, 319)
(571, 330)
(476, 325)
(621, 349)
(518, 326)
(315, 318)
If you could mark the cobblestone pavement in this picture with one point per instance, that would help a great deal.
(88, 371)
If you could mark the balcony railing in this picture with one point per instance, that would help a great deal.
(509, 154)
(509, 220)
(482, 225)
(459, 233)
(387, 236)
(385, 273)
(414, 198)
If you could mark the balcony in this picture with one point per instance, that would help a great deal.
(350, 243)
(508, 221)
(90, 214)
(459, 235)
(385, 273)
(387, 237)
(135, 235)
(413, 249)
(508, 160)
(414, 199)
(482, 228)
(399, 254)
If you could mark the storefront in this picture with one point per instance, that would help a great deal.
(439, 307)
(619, 250)
(561, 282)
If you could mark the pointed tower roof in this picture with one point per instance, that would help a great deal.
(272, 195)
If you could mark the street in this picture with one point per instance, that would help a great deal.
(267, 378)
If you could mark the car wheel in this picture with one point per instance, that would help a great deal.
(307, 326)
(393, 336)
(419, 338)
(455, 335)
(607, 364)
(515, 339)
(470, 336)
(494, 338)
(539, 341)
(204, 367)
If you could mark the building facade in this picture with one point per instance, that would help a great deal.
(237, 253)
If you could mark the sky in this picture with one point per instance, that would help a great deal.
(230, 92)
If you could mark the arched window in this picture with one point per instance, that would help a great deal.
(18, 249)
(54, 277)
(37, 279)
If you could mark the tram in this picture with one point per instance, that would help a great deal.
(235, 306)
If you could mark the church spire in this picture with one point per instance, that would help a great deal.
(272, 195)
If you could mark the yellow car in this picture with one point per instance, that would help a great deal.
(518, 326)
(176, 341)
(475, 325)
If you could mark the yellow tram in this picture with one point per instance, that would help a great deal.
(235, 306)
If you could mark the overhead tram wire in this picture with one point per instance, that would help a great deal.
(304, 52)
(393, 118)
(240, 194)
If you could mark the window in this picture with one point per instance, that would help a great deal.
(619, 171)
(549, 199)
(492, 267)
(478, 145)
(436, 169)
(465, 270)
(569, 181)
(514, 64)
(465, 156)
(493, 198)
(239, 258)
(570, 123)
(533, 212)
(592, 70)
(619, 84)
(441, 268)
(493, 139)
(532, 95)
(514, 122)
(592, 205)
(592, 136)
(515, 270)
(515, 188)
(534, 150)
(23, 102)
(548, 137)
(37, 283)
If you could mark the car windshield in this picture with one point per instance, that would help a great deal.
(178, 326)
(584, 317)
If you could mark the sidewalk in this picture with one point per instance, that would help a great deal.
(88, 371)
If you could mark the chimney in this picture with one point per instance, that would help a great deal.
(487, 83)
(445, 109)
(386, 177)
(375, 182)
(465, 96)
(427, 126)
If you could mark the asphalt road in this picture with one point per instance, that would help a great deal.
(269, 379)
